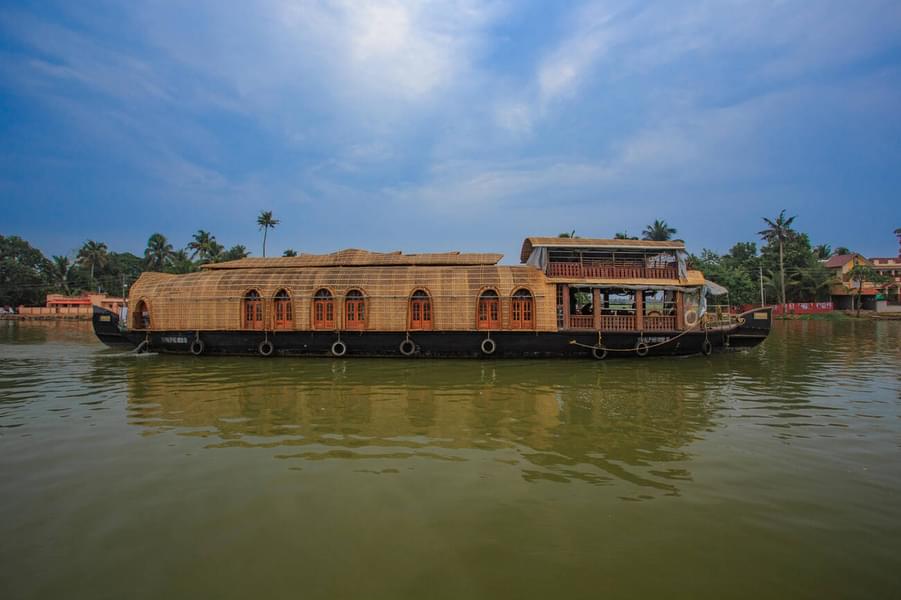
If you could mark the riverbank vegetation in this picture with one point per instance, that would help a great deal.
(787, 266)
(27, 275)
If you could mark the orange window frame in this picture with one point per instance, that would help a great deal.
(421, 313)
(324, 313)
(253, 312)
(355, 312)
(522, 312)
(489, 315)
(284, 313)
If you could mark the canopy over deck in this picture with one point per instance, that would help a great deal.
(557, 242)
(360, 258)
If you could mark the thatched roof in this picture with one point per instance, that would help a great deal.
(353, 257)
(211, 299)
(557, 242)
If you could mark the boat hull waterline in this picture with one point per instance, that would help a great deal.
(749, 330)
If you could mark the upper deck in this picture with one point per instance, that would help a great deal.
(571, 259)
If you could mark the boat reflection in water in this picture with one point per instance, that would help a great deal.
(551, 423)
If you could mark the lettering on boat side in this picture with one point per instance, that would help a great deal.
(655, 340)
(175, 339)
(760, 316)
(105, 318)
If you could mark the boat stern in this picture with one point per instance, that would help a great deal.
(754, 327)
(107, 329)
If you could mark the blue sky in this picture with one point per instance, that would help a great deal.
(455, 125)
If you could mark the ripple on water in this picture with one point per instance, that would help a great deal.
(793, 445)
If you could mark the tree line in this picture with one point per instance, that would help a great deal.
(27, 276)
(788, 266)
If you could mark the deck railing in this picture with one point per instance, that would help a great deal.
(624, 323)
(660, 323)
(581, 322)
(617, 322)
(608, 271)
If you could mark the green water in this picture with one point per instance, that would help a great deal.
(771, 473)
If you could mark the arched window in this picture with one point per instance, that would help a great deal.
(323, 310)
(141, 317)
(284, 311)
(522, 310)
(489, 310)
(253, 310)
(355, 312)
(420, 310)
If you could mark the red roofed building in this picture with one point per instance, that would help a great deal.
(844, 290)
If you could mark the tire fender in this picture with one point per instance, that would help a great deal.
(266, 348)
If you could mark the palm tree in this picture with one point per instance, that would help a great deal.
(822, 251)
(205, 246)
(658, 231)
(181, 262)
(624, 235)
(235, 253)
(842, 251)
(158, 254)
(290, 252)
(93, 254)
(779, 231)
(59, 273)
(570, 234)
(266, 222)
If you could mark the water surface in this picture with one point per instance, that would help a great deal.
(775, 472)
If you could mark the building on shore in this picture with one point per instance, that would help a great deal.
(890, 268)
(845, 290)
(58, 305)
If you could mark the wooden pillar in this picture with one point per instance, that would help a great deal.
(680, 311)
(596, 303)
(639, 310)
(565, 306)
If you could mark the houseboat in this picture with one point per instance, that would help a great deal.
(569, 297)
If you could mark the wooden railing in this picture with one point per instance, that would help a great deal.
(623, 323)
(660, 323)
(607, 271)
(617, 322)
(581, 321)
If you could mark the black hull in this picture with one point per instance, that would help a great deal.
(438, 344)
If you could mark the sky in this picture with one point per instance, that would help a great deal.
(459, 125)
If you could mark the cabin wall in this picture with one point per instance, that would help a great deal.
(213, 300)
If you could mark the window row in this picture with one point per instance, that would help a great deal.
(356, 310)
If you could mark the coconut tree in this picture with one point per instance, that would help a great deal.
(822, 251)
(59, 271)
(860, 273)
(205, 246)
(181, 262)
(290, 252)
(842, 251)
(779, 231)
(624, 235)
(236, 252)
(266, 222)
(93, 254)
(159, 254)
(658, 231)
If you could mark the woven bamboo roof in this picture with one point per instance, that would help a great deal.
(694, 278)
(557, 242)
(353, 257)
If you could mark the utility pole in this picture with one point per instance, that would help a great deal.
(762, 297)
